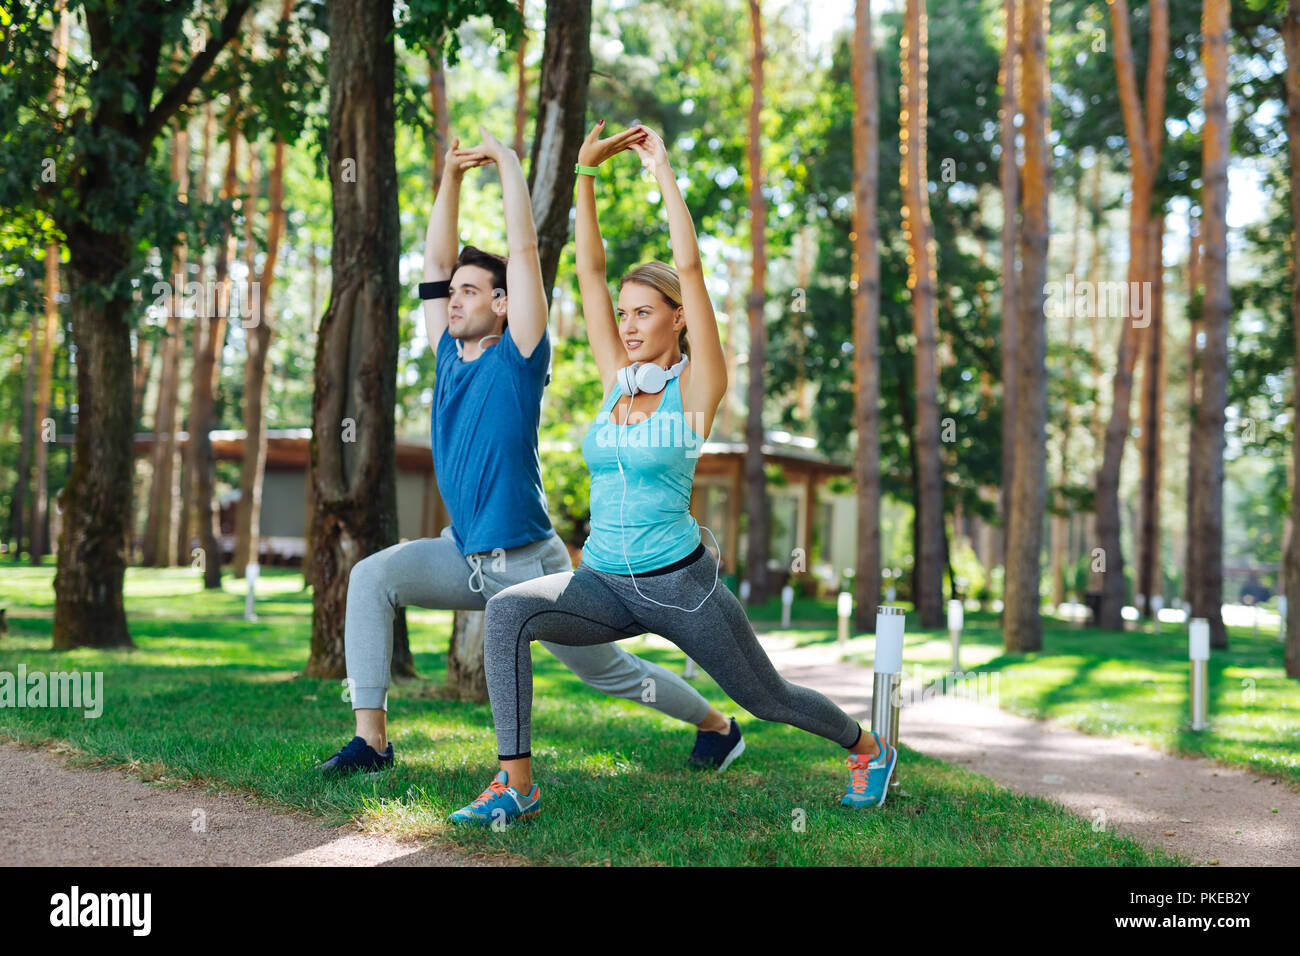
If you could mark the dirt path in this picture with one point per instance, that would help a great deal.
(53, 815)
(1189, 805)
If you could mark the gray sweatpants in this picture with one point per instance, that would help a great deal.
(587, 607)
(432, 573)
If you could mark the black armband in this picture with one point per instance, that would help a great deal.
(435, 290)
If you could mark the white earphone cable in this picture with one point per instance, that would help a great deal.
(623, 528)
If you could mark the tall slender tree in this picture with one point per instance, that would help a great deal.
(159, 549)
(1144, 130)
(248, 514)
(927, 586)
(1009, 168)
(1149, 578)
(1291, 34)
(756, 504)
(1205, 469)
(866, 316)
(53, 254)
(1022, 621)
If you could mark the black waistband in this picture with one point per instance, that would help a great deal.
(675, 566)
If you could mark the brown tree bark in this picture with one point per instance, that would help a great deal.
(1060, 523)
(1291, 34)
(18, 511)
(40, 470)
(756, 503)
(1193, 375)
(159, 546)
(1206, 466)
(561, 115)
(1149, 578)
(919, 233)
(866, 318)
(210, 336)
(521, 89)
(441, 122)
(1022, 621)
(1145, 133)
(1009, 172)
(353, 442)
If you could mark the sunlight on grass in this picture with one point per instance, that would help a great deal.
(208, 698)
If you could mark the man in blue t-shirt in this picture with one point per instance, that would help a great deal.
(493, 361)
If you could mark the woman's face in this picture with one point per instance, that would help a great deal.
(647, 323)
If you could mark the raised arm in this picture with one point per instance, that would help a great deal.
(597, 308)
(705, 381)
(526, 304)
(441, 242)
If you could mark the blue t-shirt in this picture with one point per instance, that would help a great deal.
(484, 436)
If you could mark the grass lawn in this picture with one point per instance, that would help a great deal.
(208, 698)
(1133, 685)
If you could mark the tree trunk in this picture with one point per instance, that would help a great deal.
(96, 501)
(1145, 138)
(866, 318)
(1193, 392)
(756, 503)
(466, 679)
(1206, 465)
(252, 473)
(157, 546)
(1291, 32)
(1010, 182)
(248, 514)
(1022, 622)
(1060, 522)
(1149, 578)
(40, 499)
(18, 505)
(919, 232)
(521, 92)
(561, 115)
(353, 441)
(441, 125)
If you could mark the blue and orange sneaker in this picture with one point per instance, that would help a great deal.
(869, 777)
(500, 805)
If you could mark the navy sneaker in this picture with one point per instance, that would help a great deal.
(357, 755)
(716, 751)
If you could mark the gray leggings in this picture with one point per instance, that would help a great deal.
(592, 608)
(432, 573)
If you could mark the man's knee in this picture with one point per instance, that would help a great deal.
(607, 668)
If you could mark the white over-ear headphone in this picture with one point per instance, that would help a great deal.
(648, 377)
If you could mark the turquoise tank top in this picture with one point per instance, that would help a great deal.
(658, 456)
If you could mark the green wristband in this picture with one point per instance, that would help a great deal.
(586, 170)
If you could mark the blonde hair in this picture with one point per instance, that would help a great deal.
(663, 279)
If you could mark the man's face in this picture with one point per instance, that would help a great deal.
(472, 312)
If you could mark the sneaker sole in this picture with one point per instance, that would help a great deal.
(467, 821)
(736, 751)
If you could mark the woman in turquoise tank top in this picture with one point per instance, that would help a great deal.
(644, 567)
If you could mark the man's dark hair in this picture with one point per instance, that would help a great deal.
(496, 265)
